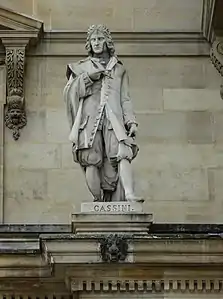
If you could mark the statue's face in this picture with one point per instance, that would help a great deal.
(98, 42)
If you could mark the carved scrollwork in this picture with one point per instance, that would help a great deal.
(217, 59)
(113, 248)
(15, 116)
(217, 56)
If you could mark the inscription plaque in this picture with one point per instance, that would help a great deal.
(111, 207)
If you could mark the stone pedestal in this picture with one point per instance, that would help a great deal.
(111, 218)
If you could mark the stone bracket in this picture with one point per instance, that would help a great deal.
(15, 115)
(216, 55)
(19, 31)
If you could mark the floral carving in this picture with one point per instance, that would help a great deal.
(15, 116)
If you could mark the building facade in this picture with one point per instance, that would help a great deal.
(173, 50)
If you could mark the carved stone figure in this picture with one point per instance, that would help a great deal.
(15, 116)
(101, 119)
(113, 248)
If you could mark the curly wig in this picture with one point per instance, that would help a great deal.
(105, 31)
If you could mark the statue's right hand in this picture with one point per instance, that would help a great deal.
(95, 75)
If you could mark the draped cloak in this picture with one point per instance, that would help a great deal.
(87, 101)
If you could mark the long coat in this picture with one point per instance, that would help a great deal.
(88, 100)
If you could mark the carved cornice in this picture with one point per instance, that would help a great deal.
(17, 21)
(19, 32)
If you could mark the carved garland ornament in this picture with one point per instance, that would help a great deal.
(15, 115)
(217, 59)
(113, 248)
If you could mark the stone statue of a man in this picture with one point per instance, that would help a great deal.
(101, 118)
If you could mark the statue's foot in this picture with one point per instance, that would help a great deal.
(97, 199)
(107, 196)
(134, 198)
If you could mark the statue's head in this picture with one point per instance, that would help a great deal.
(15, 114)
(15, 109)
(99, 40)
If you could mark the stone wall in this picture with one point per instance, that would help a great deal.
(178, 106)
(121, 15)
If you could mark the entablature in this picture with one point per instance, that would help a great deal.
(166, 260)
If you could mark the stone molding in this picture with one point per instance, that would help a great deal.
(26, 255)
(18, 21)
(91, 224)
(18, 33)
(58, 43)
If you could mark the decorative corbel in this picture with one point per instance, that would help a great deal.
(15, 114)
(18, 31)
(217, 59)
(113, 248)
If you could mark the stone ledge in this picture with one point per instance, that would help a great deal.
(21, 246)
(128, 36)
(170, 230)
(92, 223)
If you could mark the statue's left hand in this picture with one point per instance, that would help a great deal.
(132, 130)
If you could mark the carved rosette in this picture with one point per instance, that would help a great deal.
(217, 59)
(15, 115)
